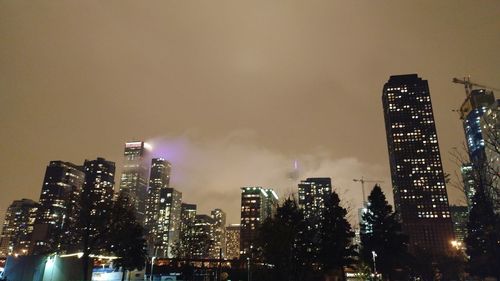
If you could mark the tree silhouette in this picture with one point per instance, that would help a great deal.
(126, 239)
(335, 237)
(381, 233)
(281, 244)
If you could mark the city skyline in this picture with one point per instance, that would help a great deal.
(280, 105)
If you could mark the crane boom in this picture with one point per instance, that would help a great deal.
(362, 181)
(468, 85)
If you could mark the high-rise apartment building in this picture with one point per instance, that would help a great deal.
(416, 170)
(15, 238)
(312, 195)
(98, 187)
(203, 235)
(159, 178)
(167, 229)
(188, 215)
(134, 179)
(257, 204)
(233, 241)
(59, 205)
(219, 233)
(460, 217)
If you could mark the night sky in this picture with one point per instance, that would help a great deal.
(232, 92)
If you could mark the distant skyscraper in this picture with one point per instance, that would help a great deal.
(468, 180)
(188, 215)
(471, 112)
(59, 204)
(417, 175)
(18, 227)
(168, 227)
(204, 226)
(134, 179)
(159, 178)
(98, 187)
(257, 204)
(460, 217)
(219, 245)
(233, 241)
(312, 195)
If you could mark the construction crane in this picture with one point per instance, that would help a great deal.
(468, 85)
(362, 181)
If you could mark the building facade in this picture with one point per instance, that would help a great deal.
(233, 241)
(471, 112)
(460, 218)
(159, 178)
(490, 124)
(59, 206)
(257, 204)
(219, 233)
(98, 187)
(17, 228)
(134, 178)
(167, 229)
(418, 182)
(312, 195)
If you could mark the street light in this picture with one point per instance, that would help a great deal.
(374, 255)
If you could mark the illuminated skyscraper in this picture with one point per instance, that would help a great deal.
(167, 229)
(417, 175)
(233, 241)
(188, 215)
(98, 186)
(59, 205)
(471, 112)
(134, 179)
(18, 227)
(490, 124)
(159, 178)
(312, 195)
(219, 233)
(257, 204)
(460, 217)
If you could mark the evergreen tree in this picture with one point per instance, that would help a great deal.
(280, 242)
(381, 233)
(126, 239)
(483, 238)
(335, 237)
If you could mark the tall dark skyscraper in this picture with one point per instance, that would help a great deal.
(134, 179)
(163, 210)
(96, 197)
(257, 204)
(159, 178)
(418, 181)
(59, 201)
(15, 238)
(98, 186)
(312, 195)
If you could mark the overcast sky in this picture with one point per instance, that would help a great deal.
(233, 91)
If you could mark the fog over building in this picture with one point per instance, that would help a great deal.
(418, 181)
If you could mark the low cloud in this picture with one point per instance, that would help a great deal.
(210, 172)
